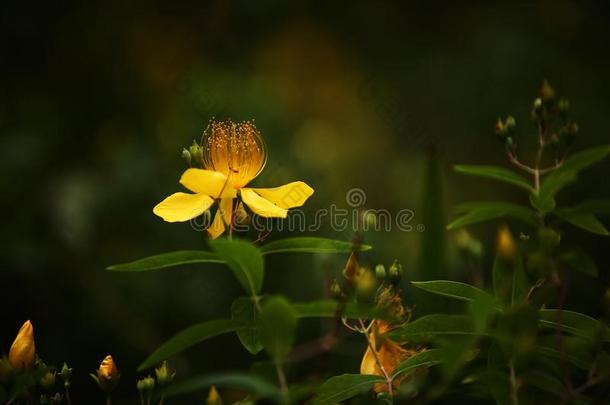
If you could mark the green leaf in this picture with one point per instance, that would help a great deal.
(576, 259)
(311, 245)
(575, 350)
(452, 289)
(599, 206)
(585, 158)
(479, 211)
(428, 327)
(278, 322)
(170, 259)
(189, 337)
(345, 386)
(509, 280)
(544, 200)
(496, 173)
(426, 358)
(244, 310)
(583, 220)
(244, 260)
(573, 322)
(243, 382)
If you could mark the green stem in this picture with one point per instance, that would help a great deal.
(67, 393)
(281, 376)
(386, 375)
(513, 383)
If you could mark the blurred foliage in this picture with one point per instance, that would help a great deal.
(99, 98)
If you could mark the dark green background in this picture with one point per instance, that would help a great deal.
(97, 100)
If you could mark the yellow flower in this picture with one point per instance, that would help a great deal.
(233, 155)
(107, 374)
(23, 350)
(389, 353)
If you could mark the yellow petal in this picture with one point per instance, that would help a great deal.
(208, 182)
(287, 196)
(261, 206)
(222, 217)
(180, 207)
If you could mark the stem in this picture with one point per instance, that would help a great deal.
(513, 383)
(67, 392)
(281, 376)
(387, 376)
(108, 400)
(561, 338)
(161, 399)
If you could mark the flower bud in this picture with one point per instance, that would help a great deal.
(196, 153)
(107, 374)
(395, 272)
(335, 290)
(366, 284)
(23, 350)
(65, 374)
(213, 397)
(56, 399)
(351, 267)
(186, 155)
(505, 243)
(164, 374)
(380, 272)
(500, 130)
(510, 124)
(546, 92)
(146, 384)
(48, 380)
(549, 238)
(538, 110)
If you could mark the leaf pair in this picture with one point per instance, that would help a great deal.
(542, 200)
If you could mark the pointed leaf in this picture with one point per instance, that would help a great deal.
(244, 259)
(576, 259)
(479, 211)
(585, 158)
(509, 280)
(573, 322)
(452, 289)
(311, 245)
(583, 220)
(345, 386)
(429, 327)
(544, 200)
(496, 173)
(189, 337)
(244, 310)
(243, 382)
(426, 358)
(170, 259)
(278, 322)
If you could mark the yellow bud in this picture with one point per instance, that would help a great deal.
(108, 374)
(213, 397)
(23, 350)
(351, 268)
(505, 243)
